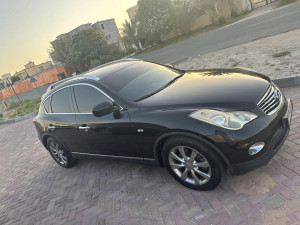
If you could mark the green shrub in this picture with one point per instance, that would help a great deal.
(13, 105)
(221, 20)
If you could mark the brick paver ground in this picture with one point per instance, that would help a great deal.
(35, 190)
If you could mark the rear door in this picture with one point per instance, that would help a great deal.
(106, 135)
(60, 119)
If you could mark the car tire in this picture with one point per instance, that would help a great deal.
(60, 154)
(193, 163)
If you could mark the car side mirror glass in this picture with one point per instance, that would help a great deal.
(104, 108)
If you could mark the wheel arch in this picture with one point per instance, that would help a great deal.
(45, 138)
(158, 145)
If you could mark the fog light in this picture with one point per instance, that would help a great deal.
(256, 148)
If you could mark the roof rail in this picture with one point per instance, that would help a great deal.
(116, 61)
(70, 78)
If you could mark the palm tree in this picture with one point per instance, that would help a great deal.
(60, 50)
(130, 34)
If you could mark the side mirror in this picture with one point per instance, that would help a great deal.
(104, 108)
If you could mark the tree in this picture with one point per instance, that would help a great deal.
(130, 33)
(154, 19)
(60, 50)
(112, 52)
(15, 79)
(183, 15)
(74, 60)
(233, 8)
(207, 7)
(88, 44)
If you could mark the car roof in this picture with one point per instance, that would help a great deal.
(103, 71)
(96, 73)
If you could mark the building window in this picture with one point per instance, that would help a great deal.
(102, 26)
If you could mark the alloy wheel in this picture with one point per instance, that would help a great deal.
(58, 153)
(189, 165)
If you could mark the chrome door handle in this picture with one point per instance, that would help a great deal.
(51, 127)
(84, 128)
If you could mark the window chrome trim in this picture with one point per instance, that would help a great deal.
(279, 106)
(121, 108)
(113, 156)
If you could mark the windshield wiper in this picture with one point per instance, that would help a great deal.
(163, 87)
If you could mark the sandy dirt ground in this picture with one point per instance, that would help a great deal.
(257, 55)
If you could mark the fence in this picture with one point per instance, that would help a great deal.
(44, 78)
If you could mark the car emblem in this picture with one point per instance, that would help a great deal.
(277, 94)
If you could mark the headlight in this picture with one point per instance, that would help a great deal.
(229, 120)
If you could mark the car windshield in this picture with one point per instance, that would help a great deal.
(141, 80)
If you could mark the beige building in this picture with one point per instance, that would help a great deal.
(132, 11)
(3, 80)
(31, 68)
(2, 84)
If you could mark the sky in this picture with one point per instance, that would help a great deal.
(28, 26)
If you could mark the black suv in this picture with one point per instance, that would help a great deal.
(195, 123)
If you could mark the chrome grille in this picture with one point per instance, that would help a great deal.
(271, 101)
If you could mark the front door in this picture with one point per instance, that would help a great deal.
(107, 135)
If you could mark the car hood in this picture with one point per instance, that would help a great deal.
(236, 89)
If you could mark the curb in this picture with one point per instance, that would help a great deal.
(19, 118)
(177, 61)
(281, 82)
(287, 82)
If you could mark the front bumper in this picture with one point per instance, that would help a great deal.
(273, 147)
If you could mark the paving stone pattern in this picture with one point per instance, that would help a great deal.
(35, 190)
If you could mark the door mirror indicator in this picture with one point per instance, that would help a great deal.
(104, 108)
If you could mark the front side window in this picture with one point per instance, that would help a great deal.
(87, 98)
(61, 101)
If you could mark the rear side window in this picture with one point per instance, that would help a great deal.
(61, 101)
(47, 105)
(87, 98)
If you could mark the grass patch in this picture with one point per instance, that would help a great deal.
(13, 105)
(191, 34)
(285, 2)
(17, 109)
(280, 54)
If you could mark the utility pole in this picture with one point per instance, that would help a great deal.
(11, 86)
(33, 80)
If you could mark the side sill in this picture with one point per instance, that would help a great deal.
(79, 155)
